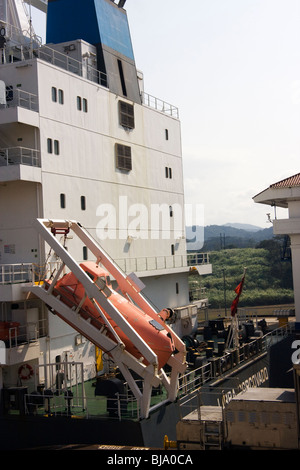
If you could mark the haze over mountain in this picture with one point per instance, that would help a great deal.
(249, 227)
(216, 237)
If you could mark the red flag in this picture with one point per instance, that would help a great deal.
(238, 291)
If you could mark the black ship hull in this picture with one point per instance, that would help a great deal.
(272, 368)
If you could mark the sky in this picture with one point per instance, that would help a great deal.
(232, 67)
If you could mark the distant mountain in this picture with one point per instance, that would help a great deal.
(216, 237)
(248, 227)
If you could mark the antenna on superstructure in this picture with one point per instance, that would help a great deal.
(31, 32)
(17, 22)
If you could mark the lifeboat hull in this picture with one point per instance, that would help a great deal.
(152, 331)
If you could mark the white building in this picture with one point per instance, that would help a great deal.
(286, 194)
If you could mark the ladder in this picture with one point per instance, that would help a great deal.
(212, 435)
(212, 432)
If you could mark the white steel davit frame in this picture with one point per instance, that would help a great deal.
(39, 4)
(131, 288)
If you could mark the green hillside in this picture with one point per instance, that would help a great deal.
(268, 278)
(216, 237)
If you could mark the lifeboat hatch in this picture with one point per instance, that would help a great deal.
(156, 325)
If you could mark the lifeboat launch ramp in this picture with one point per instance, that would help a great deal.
(105, 336)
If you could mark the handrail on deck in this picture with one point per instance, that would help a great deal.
(151, 263)
(20, 156)
(18, 97)
(16, 273)
(30, 272)
(196, 378)
(28, 50)
(159, 105)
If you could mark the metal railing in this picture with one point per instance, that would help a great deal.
(96, 76)
(196, 378)
(197, 259)
(31, 272)
(20, 156)
(59, 59)
(67, 403)
(26, 49)
(22, 98)
(16, 35)
(75, 66)
(60, 390)
(16, 273)
(162, 262)
(159, 105)
(18, 334)
(197, 293)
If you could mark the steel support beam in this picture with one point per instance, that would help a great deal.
(41, 5)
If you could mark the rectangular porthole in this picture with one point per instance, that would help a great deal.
(62, 201)
(54, 94)
(168, 172)
(61, 96)
(49, 146)
(56, 147)
(84, 105)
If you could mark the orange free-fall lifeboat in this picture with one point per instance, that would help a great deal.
(71, 293)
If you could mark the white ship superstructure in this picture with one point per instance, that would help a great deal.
(81, 140)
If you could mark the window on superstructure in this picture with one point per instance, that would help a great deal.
(126, 115)
(61, 96)
(49, 146)
(172, 249)
(54, 94)
(82, 104)
(56, 147)
(85, 105)
(85, 253)
(62, 201)
(82, 203)
(168, 172)
(167, 134)
(123, 157)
